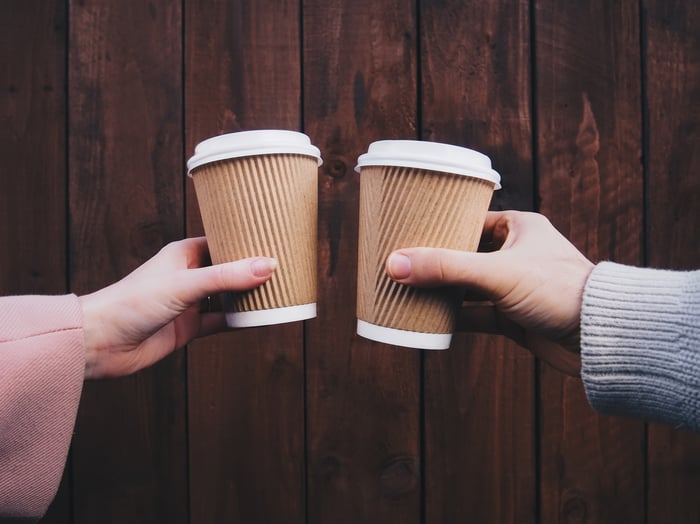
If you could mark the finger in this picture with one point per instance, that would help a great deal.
(193, 285)
(194, 251)
(495, 230)
(486, 273)
(197, 251)
(201, 248)
(193, 324)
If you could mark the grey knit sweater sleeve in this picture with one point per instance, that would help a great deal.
(640, 343)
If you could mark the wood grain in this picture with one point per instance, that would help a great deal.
(479, 395)
(126, 201)
(673, 102)
(590, 185)
(32, 143)
(307, 422)
(362, 397)
(246, 389)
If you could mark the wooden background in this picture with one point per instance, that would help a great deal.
(590, 109)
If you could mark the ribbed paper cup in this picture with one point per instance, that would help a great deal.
(257, 194)
(416, 194)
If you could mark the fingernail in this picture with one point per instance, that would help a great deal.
(263, 267)
(398, 266)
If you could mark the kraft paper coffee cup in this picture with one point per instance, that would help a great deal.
(416, 194)
(258, 196)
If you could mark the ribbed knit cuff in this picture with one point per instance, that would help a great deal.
(640, 343)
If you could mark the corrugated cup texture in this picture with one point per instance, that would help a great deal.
(407, 207)
(263, 205)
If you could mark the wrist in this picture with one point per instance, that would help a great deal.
(90, 334)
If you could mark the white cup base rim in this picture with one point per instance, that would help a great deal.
(266, 317)
(400, 337)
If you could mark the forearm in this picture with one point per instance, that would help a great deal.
(640, 343)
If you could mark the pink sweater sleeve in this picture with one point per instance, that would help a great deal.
(42, 366)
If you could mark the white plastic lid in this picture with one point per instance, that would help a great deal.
(251, 143)
(430, 155)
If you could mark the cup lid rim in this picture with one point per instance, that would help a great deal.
(252, 143)
(433, 156)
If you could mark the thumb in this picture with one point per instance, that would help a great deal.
(194, 285)
(485, 273)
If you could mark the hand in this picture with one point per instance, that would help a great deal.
(156, 309)
(532, 285)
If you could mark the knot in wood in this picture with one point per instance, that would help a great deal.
(574, 509)
(398, 477)
(335, 168)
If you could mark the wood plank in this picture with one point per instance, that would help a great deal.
(32, 142)
(590, 184)
(126, 201)
(673, 102)
(33, 208)
(362, 398)
(246, 389)
(480, 395)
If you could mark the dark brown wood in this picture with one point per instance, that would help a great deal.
(126, 201)
(246, 389)
(362, 397)
(479, 395)
(32, 143)
(33, 212)
(228, 432)
(673, 101)
(590, 185)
